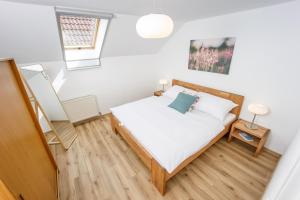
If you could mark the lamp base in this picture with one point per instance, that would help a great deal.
(251, 126)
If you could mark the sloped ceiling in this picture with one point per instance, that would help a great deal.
(178, 9)
(122, 39)
(29, 32)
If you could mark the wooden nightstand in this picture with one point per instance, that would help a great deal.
(158, 93)
(259, 135)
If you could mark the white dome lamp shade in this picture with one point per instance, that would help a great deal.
(154, 26)
(256, 109)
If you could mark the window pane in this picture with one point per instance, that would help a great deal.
(79, 31)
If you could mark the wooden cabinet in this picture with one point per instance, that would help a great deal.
(27, 166)
(5, 194)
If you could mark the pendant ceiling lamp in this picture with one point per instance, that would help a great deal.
(154, 26)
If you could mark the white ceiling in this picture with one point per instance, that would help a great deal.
(29, 38)
(177, 9)
(32, 39)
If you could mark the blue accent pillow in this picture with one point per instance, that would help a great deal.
(183, 102)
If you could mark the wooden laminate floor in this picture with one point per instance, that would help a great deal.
(100, 165)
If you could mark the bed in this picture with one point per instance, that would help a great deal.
(165, 140)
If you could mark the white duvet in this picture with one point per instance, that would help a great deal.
(169, 136)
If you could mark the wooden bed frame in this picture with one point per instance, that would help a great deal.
(158, 174)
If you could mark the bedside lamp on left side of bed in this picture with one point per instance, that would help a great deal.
(163, 82)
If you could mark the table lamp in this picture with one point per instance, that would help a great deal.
(163, 82)
(256, 109)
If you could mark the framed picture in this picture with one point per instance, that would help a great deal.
(211, 55)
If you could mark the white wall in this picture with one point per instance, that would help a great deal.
(265, 66)
(117, 81)
(286, 178)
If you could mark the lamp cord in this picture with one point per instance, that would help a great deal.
(156, 8)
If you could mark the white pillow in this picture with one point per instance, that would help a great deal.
(173, 91)
(176, 89)
(216, 106)
(190, 92)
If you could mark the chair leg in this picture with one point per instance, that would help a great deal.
(158, 174)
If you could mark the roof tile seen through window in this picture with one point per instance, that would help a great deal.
(79, 31)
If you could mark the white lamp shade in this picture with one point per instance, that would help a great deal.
(154, 26)
(163, 81)
(258, 109)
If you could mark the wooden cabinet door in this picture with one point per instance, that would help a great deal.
(5, 194)
(26, 164)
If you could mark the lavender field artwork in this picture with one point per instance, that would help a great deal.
(211, 55)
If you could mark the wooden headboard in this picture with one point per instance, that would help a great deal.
(238, 99)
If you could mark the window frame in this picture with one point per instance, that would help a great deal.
(85, 13)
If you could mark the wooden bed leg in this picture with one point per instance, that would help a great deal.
(158, 176)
